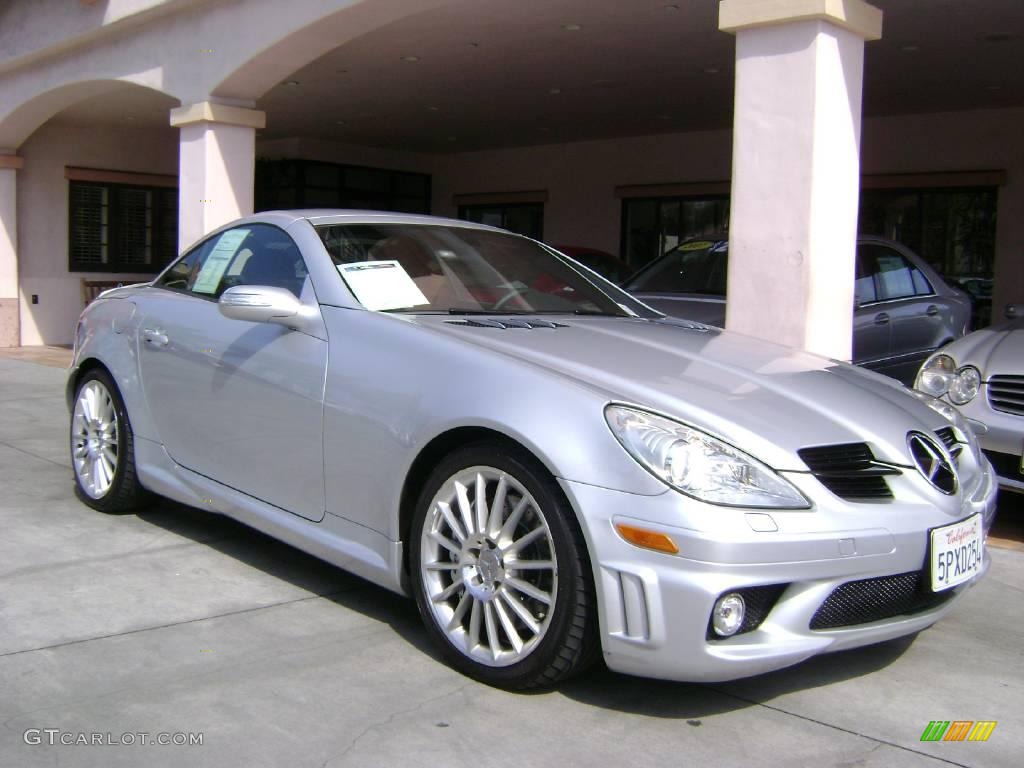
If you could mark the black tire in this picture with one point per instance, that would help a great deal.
(125, 492)
(570, 642)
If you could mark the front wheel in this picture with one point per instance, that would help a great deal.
(500, 570)
(102, 447)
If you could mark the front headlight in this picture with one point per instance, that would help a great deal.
(936, 375)
(939, 376)
(965, 386)
(699, 465)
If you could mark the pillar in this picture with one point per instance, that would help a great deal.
(796, 168)
(216, 166)
(10, 333)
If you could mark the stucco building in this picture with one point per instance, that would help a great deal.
(128, 128)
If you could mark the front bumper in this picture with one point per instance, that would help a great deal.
(654, 607)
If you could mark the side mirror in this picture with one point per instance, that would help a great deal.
(259, 304)
(1013, 311)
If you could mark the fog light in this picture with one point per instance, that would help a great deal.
(727, 617)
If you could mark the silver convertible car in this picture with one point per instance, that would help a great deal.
(554, 471)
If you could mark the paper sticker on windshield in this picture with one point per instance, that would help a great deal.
(381, 285)
(696, 245)
(216, 263)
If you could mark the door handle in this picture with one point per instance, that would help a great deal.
(932, 310)
(155, 337)
(881, 318)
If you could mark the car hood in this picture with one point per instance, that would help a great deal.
(768, 399)
(704, 309)
(994, 351)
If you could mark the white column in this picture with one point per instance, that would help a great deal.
(10, 333)
(796, 168)
(217, 166)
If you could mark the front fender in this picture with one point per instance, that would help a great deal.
(107, 335)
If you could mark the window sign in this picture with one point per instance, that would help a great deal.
(382, 285)
(217, 262)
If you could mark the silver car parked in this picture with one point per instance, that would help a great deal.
(904, 309)
(553, 471)
(983, 375)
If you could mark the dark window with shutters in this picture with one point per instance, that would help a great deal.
(121, 227)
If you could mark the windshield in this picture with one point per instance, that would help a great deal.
(697, 266)
(435, 268)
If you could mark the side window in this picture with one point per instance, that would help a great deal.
(893, 279)
(181, 276)
(255, 254)
(864, 282)
(921, 285)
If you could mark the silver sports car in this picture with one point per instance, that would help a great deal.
(554, 471)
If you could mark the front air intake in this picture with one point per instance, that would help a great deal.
(849, 470)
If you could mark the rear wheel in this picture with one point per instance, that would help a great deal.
(500, 570)
(102, 447)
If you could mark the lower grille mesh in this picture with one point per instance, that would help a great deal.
(867, 600)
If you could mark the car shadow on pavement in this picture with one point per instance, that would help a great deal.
(597, 687)
(692, 701)
(284, 562)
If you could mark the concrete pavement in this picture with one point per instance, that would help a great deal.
(177, 621)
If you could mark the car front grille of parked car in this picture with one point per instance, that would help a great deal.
(867, 600)
(1006, 394)
(849, 470)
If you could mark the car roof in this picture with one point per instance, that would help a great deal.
(327, 216)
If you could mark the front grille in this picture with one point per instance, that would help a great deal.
(949, 439)
(1005, 464)
(1006, 394)
(849, 470)
(885, 597)
(759, 602)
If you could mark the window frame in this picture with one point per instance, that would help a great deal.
(114, 264)
(911, 267)
(215, 297)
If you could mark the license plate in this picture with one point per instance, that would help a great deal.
(956, 553)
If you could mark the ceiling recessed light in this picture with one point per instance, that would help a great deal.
(554, 91)
(342, 123)
(433, 109)
(572, 27)
(671, 7)
(910, 48)
(711, 70)
(291, 83)
(410, 58)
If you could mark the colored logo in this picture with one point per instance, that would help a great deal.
(958, 730)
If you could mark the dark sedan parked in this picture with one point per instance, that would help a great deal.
(904, 309)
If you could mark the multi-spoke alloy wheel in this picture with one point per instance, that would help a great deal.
(489, 566)
(502, 579)
(94, 448)
(102, 447)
